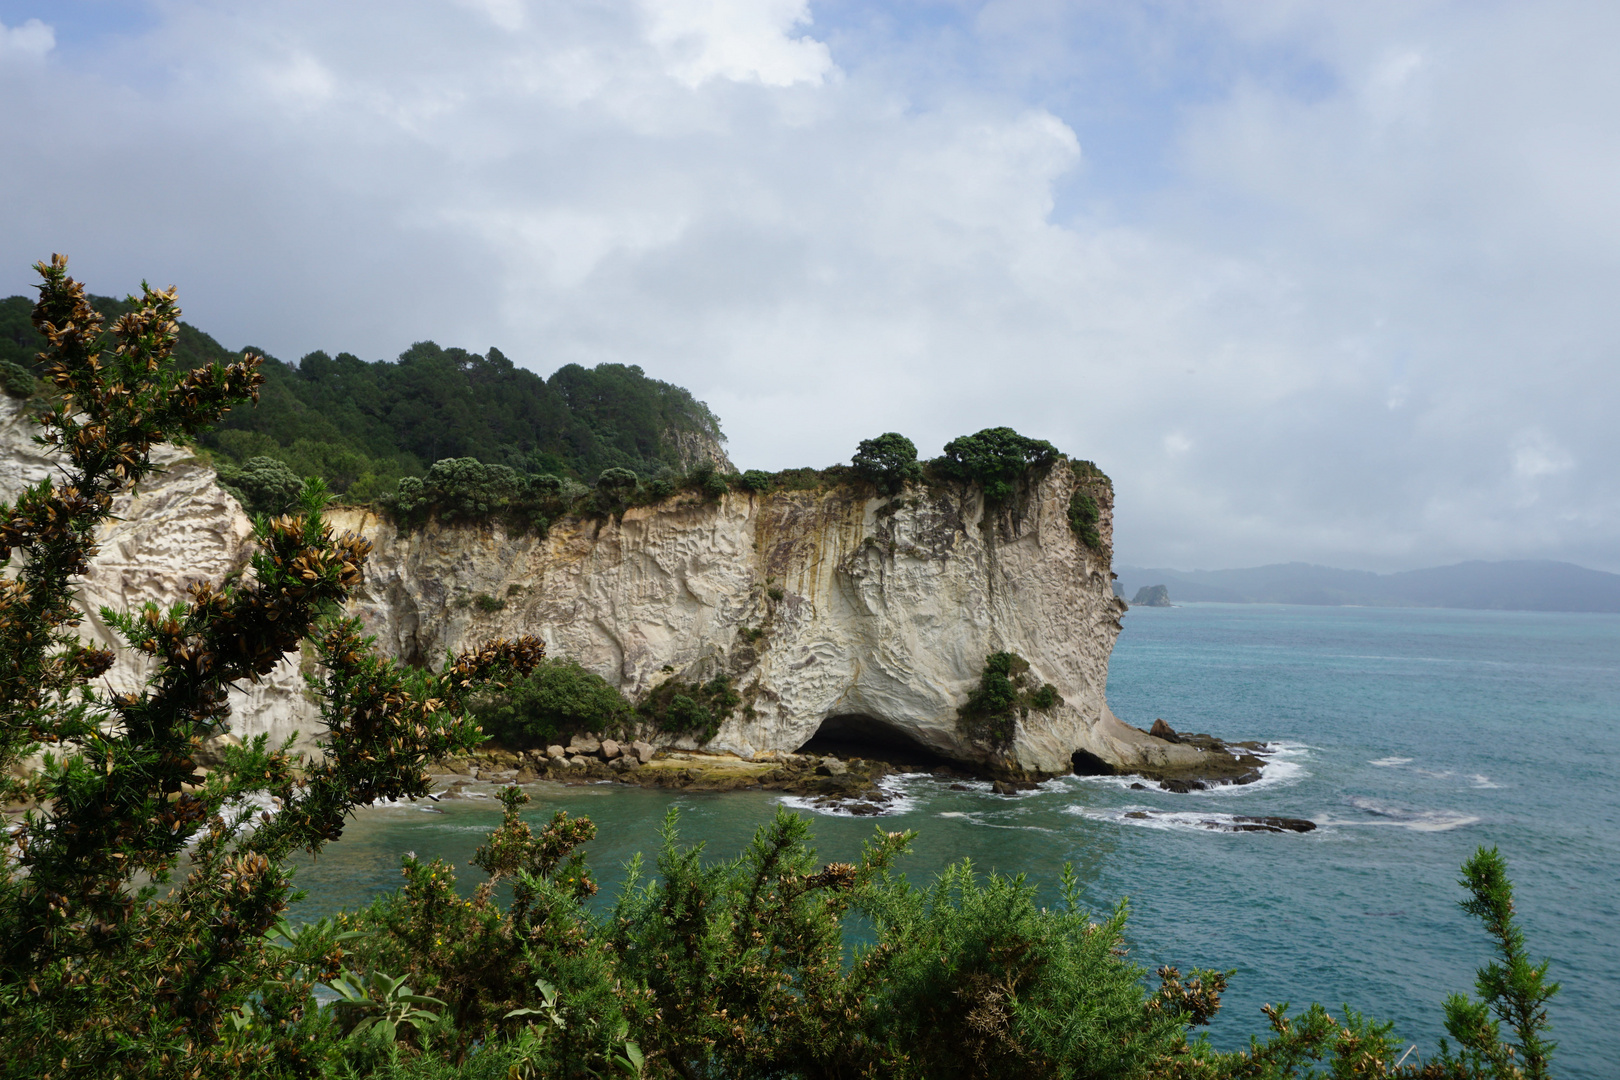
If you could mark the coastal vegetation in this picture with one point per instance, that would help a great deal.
(142, 902)
(1006, 693)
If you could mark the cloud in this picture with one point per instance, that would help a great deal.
(743, 40)
(1331, 284)
(31, 40)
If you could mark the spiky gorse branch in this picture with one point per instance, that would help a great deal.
(93, 966)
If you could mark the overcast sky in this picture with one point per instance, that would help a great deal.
(1322, 281)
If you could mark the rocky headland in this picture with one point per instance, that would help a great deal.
(837, 614)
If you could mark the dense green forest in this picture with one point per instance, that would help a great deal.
(363, 425)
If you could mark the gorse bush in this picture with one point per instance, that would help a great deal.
(556, 699)
(741, 968)
(101, 975)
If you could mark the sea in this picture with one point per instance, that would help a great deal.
(1411, 737)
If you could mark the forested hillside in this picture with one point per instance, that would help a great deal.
(363, 425)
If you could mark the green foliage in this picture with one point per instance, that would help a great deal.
(466, 489)
(102, 973)
(497, 969)
(1006, 693)
(382, 1001)
(15, 379)
(1083, 517)
(754, 480)
(996, 459)
(558, 698)
(615, 489)
(263, 485)
(362, 426)
(1514, 989)
(888, 462)
(696, 708)
(488, 604)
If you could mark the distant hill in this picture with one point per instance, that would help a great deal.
(1519, 585)
(364, 424)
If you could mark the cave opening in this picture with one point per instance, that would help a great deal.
(855, 735)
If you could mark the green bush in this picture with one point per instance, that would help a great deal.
(693, 708)
(1006, 694)
(468, 490)
(996, 459)
(754, 480)
(557, 699)
(16, 380)
(888, 462)
(615, 489)
(1083, 517)
(264, 485)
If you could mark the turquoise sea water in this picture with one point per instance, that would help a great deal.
(1410, 736)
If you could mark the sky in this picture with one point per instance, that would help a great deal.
(1331, 282)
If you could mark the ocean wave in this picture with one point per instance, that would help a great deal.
(1391, 762)
(1395, 815)
(895, 798)
(1175, 820)
(1283, 767)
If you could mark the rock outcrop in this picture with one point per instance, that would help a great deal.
(818, 604)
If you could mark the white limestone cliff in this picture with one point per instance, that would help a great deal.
(883, 609)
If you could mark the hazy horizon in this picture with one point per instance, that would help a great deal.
(1323, 284)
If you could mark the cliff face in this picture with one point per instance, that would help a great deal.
(818, 604)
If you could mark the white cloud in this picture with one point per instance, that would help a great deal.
(1357, 315)
(32, 39)
(743, 40)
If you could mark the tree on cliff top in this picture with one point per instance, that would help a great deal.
(98, 975)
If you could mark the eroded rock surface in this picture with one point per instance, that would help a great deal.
(817, 604)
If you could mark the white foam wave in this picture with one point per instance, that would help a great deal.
(1283, 766)
(1482, 781)
(1397, 816)
(895, 799)
(1167, 820)
(1391, 762)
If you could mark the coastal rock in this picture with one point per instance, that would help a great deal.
(584, 744)
(555, 751)
(817, 605)
(642, 750)
(610, 750)
(1151, 596)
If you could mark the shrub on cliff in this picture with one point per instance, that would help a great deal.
(691, 708)
(263, 485)
(995, 458)
(16, 380)
(557, 698)
(100, 973)
(1006, 693)
(888, 462)
(468, 490)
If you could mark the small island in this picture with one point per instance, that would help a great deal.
(1151, 596)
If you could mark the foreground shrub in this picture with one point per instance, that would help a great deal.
(103, 973)
(740, 968)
